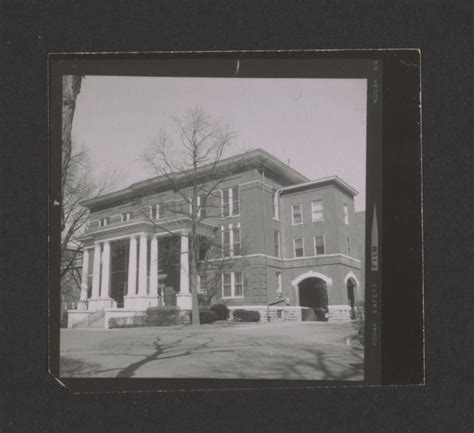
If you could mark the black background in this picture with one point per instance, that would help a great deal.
(32, 401)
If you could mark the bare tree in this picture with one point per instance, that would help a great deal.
(77, 184)
(190, 163)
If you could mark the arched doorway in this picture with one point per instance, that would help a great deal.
(351, 296)
(313, 293)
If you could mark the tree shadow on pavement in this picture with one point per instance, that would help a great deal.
(162, 349)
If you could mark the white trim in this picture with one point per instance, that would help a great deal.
(314, 245)
(294, 248)
(293, 214)
(312, 274)
(287, 259)
(335, 179)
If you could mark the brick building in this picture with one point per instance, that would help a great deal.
(289, 245)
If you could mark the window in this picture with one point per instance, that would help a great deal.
(296, 214)
(346, 214)
(276, 210)
(235, 201)
(348, 245)
(230, 202)
(276, 241)
(125, 217)
(278, 284)
(227, 285)
(198, 283)
(231, 241)
(317, 210)
(232, 285)
(298, 245)
(236, 241)
(319, 247)
(201, 204)
(238, 284)
(104, 222)
(226, 242)
(156, 212)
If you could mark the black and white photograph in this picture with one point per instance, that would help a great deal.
(213, 227)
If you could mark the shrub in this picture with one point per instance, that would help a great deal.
(206, 316)
(221, 310)
(359, 321)
(166, 316)
(241, 315)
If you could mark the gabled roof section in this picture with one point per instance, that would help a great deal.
(241, 162)
(318, 183)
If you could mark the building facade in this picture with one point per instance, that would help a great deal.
(281, 244)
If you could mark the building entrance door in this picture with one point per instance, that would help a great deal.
(314, 295)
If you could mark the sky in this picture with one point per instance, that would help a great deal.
(318, 126)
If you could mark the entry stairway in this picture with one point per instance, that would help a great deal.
(95, 320)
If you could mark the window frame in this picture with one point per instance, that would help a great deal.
(294, 247)
(320, 211)
(230, 202)
(125, 217)
(346, 214)
(293, 206)
(315, 247)
(232, 285)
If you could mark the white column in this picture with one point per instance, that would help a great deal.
(96, 272)
(132, 267)
(154, 266)
(184, 268)
(142, 267)
(85, 275)
(105, 283)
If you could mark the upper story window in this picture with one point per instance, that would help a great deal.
(230, 202)
(346, 214)
(319, 245)
(276, 209)
(156, 211)
(296, 214)
(104, 222)
(231, 241)
(201, 206)
(348, 245)
(276, 242)
(298, 247)
(317, 210)
(232, 285)
(125, 217)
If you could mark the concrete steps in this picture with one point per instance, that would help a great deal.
(95, 320)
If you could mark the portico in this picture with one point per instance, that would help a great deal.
(141, 284)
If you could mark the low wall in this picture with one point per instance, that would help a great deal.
(340, 313)
(273, 313)
(74, 317)
(114, 313)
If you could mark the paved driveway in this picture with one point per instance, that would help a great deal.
(306, 350)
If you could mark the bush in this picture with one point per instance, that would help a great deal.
(241, 315)
(221, 310)
(166, 316)
(359, 321)
(207, 316)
